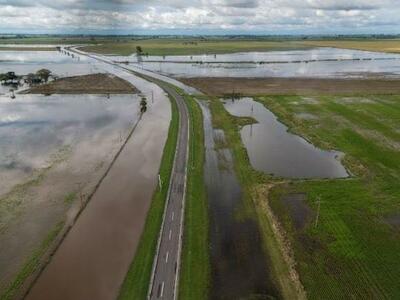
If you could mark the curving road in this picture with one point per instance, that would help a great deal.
(166, 266)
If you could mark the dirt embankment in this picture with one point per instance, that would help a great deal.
(292, 86)
(86, 84)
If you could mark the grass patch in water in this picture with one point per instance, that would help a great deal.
(31, 264)
(195, 264)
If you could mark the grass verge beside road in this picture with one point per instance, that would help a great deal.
(195, 264)
(136, 283)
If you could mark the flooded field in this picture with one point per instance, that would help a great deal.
(274, 150)
(54, 152)
(32, 128)
(52, 149)
(239, 268)
(24, 62)
(317, 62)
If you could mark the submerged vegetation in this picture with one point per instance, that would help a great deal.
(352, 249)
(253, 184)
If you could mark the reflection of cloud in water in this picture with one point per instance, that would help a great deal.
(34, 127)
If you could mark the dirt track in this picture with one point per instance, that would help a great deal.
(86, 84)
(285, 86)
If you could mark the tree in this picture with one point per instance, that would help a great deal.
(139, 50)
(143, 105)
(44, 74)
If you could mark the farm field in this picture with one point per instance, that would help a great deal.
(225, 86)
(353, 247)
(191, 46)
(390, 46)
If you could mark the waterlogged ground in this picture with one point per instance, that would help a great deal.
(317, 62)
(274, 150)
(53, 150)
(238, 263)
(24, 62)
(354, 247)
(33, 128)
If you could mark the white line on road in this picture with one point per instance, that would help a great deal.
(170, 234)
(162, 290)
(166, 257)
(172, 217)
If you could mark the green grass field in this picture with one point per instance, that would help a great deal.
(136, 283)
(191, 46)
(391, 46)
(126, 45)
(354, 249)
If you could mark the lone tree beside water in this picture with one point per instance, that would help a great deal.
(44, 74)
(143, 105)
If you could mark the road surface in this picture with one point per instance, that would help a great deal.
(165, 274)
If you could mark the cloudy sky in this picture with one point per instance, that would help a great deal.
(200, 16)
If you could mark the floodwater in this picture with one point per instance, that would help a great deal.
(139, 69)
(274, 150)
(34, 127)
(239, 268)
(24, 62)
(93, 259)
(317, 62)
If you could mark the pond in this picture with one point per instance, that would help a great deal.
(274, 150)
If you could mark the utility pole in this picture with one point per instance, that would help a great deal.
(318, 211)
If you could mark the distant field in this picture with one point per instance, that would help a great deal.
(191, 46)
(354, 249)
(52, 40)
(291, 86)
(16, 48)
(125, 45)
(392, 46)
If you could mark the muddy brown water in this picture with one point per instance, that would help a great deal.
(93, 259)
(274, 150)
(239, 267)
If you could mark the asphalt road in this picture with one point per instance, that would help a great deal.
(165, 274)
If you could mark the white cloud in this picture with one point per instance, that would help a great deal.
(269, 16)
